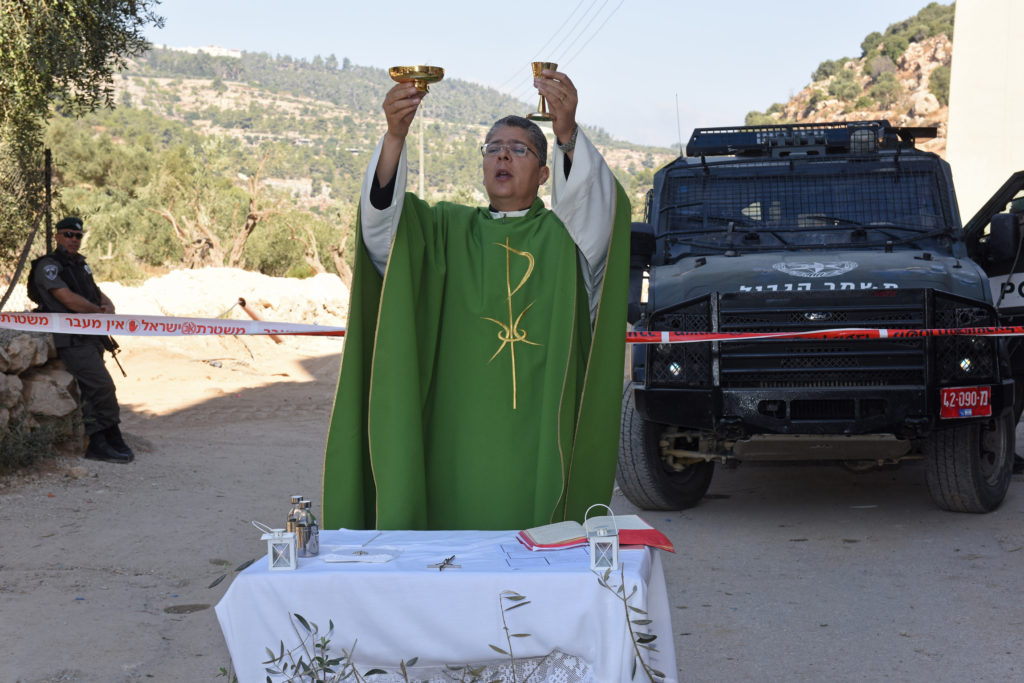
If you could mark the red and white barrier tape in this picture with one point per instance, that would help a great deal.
(154, 325)
(165, 326)
(656, 337)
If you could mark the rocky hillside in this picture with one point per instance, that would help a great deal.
(915, 106)
(902, 76)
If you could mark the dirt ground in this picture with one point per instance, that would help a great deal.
(105, 568)
(104, 573)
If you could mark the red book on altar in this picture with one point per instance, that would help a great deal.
(570, 534)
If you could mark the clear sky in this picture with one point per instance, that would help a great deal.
(632, 60)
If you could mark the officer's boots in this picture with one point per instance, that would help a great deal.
(101, 449)
(114, 438)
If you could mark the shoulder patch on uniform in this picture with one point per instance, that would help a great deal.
(88, 269)
(50, 271)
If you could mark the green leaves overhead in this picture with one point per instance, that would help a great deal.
(55, 52)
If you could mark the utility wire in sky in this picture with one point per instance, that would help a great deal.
(559, 31)
(577, 30)
(558, 58)
(594, 34)
(524, 91)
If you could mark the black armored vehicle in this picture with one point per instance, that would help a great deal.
(811, 227)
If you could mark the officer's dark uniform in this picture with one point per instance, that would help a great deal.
(83, 354)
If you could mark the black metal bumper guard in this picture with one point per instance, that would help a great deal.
(812, 386)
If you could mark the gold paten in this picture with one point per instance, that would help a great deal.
(420, 75)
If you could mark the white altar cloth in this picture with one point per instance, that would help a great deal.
(401, 609)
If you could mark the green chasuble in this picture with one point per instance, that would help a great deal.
(473, 393)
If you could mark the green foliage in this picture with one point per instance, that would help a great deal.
(870, 43)
(895, 45)
(863, 103)
(844, 86)
(938, 84)
(310, 660)
(277, 247)
(880, 52)
(67, 50)
(829, 68)
(23, 446)
(635, 617)
(939, 18)
(886, 90)
(756, 118)
(357, 88)
(917, 32)
(817, 95)
(62, 53)
(932, 20)
(166, 181)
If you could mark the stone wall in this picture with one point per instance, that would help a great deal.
(36, 390)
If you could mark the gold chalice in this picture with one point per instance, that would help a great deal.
(542, 113)
(419, 75)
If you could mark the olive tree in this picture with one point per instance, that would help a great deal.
(61, 53)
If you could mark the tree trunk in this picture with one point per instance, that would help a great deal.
(199, 250)
(310, 253)
(340, 264)
(252, 218)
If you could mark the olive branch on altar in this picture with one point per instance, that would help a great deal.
(312, 662)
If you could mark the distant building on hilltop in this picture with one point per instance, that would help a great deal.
(212, 50)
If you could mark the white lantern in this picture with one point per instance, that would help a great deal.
(280, 549)
(603, 540)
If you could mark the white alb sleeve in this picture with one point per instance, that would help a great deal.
(585, 203)
(380, 225)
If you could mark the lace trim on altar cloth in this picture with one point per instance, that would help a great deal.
(556, 667)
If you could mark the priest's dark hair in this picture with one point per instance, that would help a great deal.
(534, 132)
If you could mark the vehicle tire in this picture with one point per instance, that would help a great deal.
(643, 475)
(968, 466)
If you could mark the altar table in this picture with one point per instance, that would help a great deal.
(400, 609)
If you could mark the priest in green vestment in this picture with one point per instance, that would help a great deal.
(481, 378)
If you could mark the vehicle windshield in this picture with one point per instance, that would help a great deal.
(767, 205)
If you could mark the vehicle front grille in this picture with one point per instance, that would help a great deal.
(826, 363)
(803, 363)
(682, 365)
(961, 359)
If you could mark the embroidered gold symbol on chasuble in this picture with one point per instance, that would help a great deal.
(510, 334)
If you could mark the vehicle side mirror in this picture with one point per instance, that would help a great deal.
(641, 248)
(1004, 238)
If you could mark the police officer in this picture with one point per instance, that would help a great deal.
(65, 285)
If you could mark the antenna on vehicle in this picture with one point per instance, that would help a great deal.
(679, 128)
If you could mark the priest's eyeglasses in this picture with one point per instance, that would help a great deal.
(516, 149)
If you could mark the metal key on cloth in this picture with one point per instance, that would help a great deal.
(447, 563)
